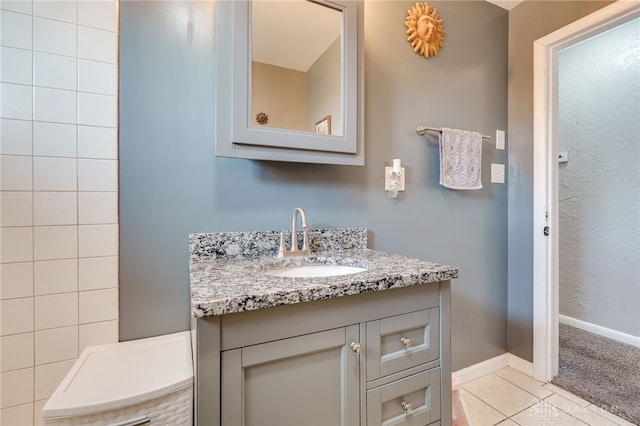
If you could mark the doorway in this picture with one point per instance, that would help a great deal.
(545, 197)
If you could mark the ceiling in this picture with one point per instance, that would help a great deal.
(506, 4)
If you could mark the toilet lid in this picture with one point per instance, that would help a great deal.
(113, 376)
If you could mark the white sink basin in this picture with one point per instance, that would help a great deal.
(309, 271)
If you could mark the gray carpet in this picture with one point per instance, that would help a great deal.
(602, 371)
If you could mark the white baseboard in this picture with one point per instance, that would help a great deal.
(494, 364)
(629, 339)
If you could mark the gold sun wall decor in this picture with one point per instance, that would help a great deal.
(425, 30)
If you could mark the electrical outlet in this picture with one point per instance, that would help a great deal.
(497, 173)
(387, 179)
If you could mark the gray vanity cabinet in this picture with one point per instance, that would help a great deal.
(376, 358)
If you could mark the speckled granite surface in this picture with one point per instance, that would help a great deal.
(227, 270)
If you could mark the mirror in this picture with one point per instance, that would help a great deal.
(296, 63)
(289, 80)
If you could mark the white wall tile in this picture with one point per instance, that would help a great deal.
(97, 208)
(97, 175)
(37, 412)
(15, 65)
(16, 316)
(15, 137)
(98, 273)
(16, 208)
(98, 305)
(98, 240)
(98, 333)
(15, 29)
(55, 276)
(58, 106)
(16, 280)
(97, 142)
(54, 139)
(56, 310)
(19, 415)
(49, 376)
(16, 101)
(55, 208)
(57, 344)
(17, 351)
(56, 71)
(98, 14)
(58, 9)
(56, 37)
(97, 45)
(16, 244)
(19, 6)
(97, 77)
(55, 242)
(97, 110)
(17, 387)
(54, 174)
(16, 173)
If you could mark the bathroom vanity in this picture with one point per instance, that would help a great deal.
(364, 348)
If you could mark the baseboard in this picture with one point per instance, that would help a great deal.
(629, 339)
(494, 364)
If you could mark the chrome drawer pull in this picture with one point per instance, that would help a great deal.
(356, 347)
(406, 342)
(406, 406)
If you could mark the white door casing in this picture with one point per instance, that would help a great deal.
(545, 174)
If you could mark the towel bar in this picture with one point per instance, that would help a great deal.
(422, 129)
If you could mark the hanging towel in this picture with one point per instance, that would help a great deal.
(460, 159)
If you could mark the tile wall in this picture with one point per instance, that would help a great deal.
(58, 193)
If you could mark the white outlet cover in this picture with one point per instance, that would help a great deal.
(387, 179)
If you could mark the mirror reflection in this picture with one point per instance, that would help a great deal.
(296, 79)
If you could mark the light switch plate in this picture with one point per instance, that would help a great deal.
(387, 179)
(499, 139)
(497, 173)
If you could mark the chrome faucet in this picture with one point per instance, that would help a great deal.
(295, 251)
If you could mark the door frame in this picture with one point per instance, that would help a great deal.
(545, 175)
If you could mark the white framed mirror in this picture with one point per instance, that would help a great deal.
(289, 80)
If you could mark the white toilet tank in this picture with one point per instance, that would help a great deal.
(140, 382)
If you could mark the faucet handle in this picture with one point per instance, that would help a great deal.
(281, 248)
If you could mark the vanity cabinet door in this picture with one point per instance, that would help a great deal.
(414, 400)
(305, 380)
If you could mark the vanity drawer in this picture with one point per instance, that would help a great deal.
(403, 341)
(414, 400)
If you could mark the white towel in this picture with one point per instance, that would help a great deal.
(460, 159)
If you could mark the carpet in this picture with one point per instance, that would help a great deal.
(602, 371)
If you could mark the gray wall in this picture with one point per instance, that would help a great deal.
(599, 188)
(528, 22)
(172, 184)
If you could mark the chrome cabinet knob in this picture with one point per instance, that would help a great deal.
(406, 406)
(356, 348)
(406, 342)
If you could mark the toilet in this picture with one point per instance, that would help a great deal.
(139, 382)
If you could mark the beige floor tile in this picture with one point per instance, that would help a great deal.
(566, 394)
(525, 382)
(545, 413)
(479, 413)
(507, 422)
(500, 394)
(578, 411)
(609, 416)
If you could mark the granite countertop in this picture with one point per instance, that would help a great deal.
(227, 277)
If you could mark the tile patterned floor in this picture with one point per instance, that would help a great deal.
(510, 398)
